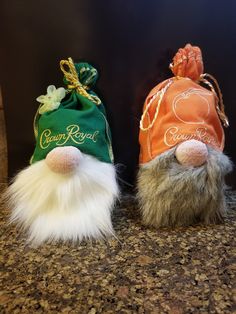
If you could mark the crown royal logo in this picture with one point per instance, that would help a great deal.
(73, 134)
(175, 135)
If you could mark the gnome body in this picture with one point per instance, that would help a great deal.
(182, 166)
(69, 190)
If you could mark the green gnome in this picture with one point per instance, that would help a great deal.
(69, 189)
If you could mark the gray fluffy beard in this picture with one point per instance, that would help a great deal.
(170, 194)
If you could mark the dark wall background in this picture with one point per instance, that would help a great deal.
(130, 42)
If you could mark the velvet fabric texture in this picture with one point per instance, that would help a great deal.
(180, 109)
(77, 122)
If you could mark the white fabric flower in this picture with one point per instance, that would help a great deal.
(52, 100)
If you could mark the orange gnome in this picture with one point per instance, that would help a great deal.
(182, 166)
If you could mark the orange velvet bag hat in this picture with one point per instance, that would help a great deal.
(181, 109)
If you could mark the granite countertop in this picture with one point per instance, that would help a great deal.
(186, 270)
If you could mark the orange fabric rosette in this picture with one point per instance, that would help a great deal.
(181, 109)
(188, 62)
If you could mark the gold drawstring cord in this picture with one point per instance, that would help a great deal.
(219, 104)
(72, 77)
(161, 93)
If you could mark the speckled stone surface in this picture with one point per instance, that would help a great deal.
(187, 270)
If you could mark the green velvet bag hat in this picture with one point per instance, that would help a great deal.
(73, 117)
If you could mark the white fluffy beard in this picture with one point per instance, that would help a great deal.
(170, 194)
(52, 206)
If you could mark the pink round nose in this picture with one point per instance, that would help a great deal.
(191, 153)
(63, 159)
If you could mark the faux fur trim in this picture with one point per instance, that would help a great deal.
(53, 206)
(170, 194)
